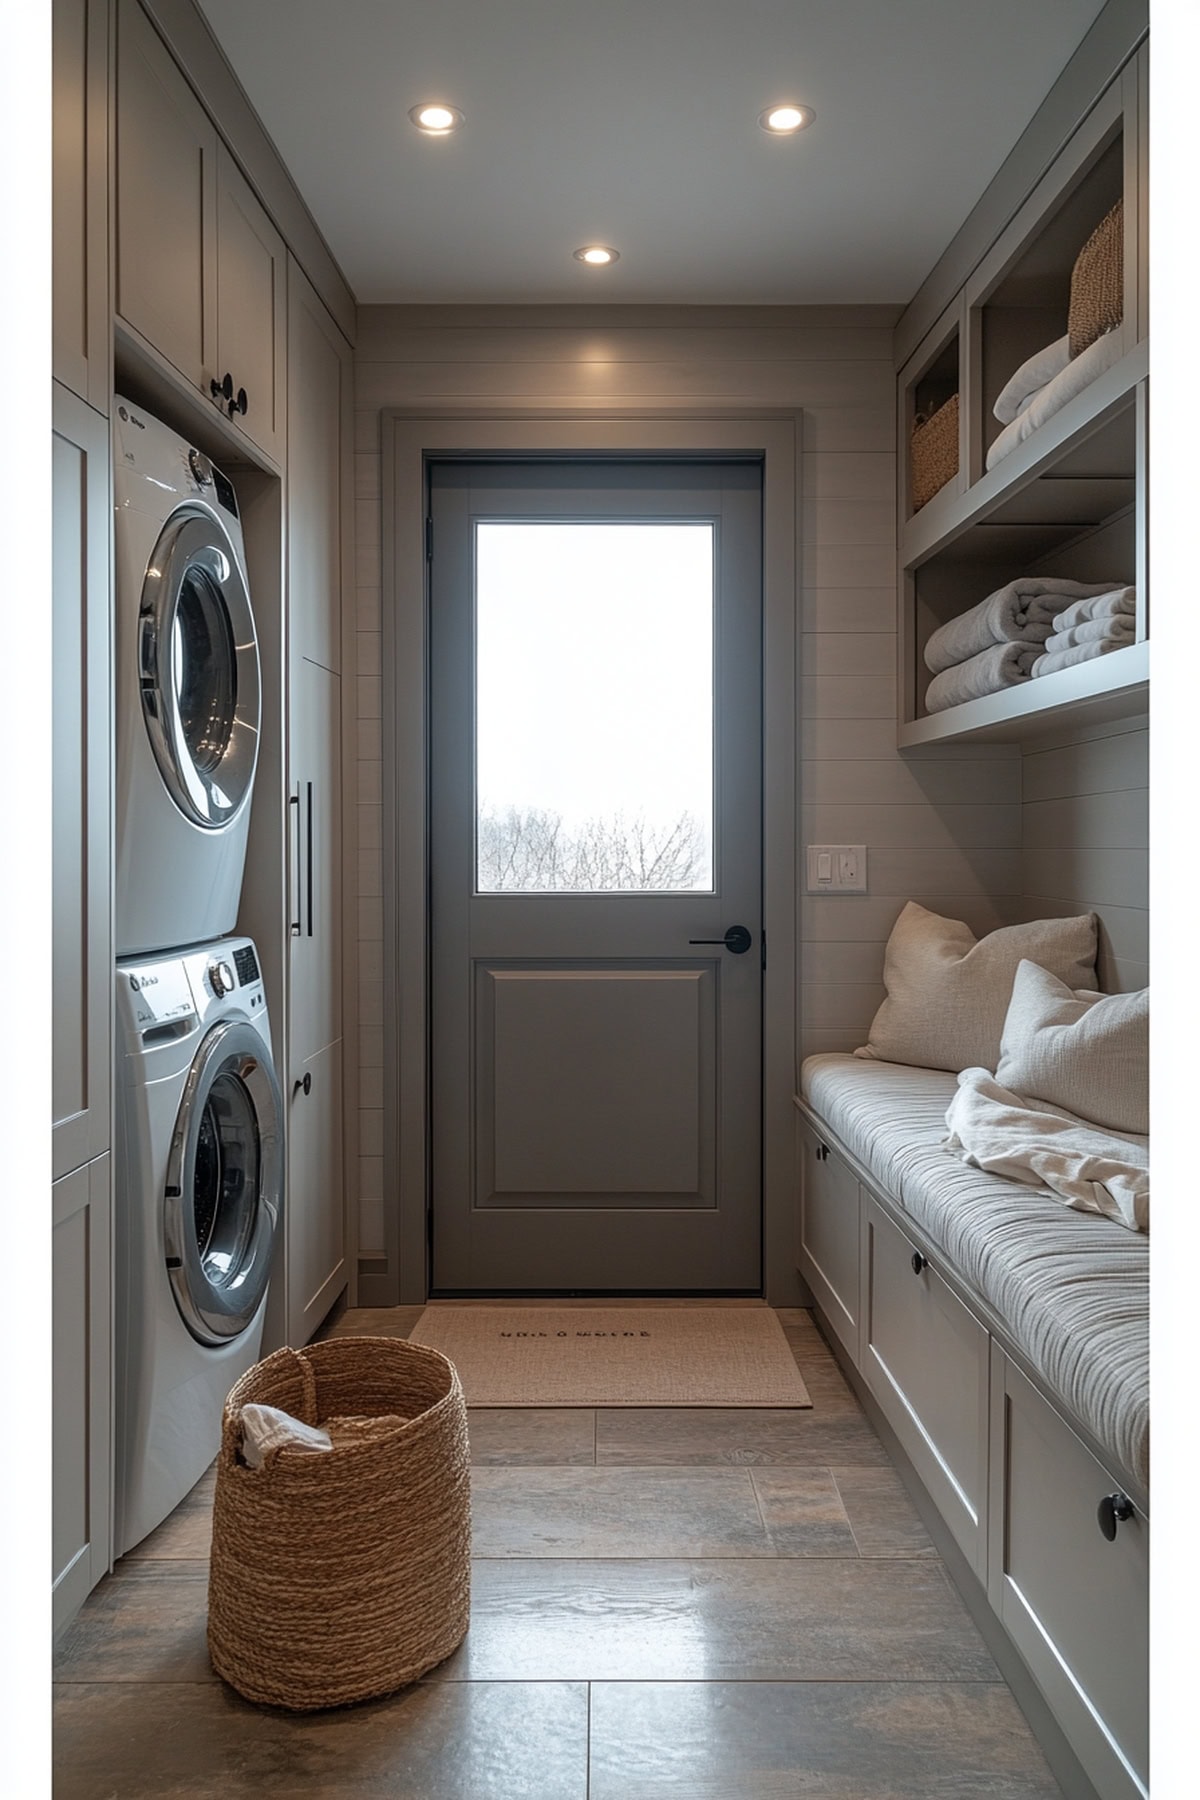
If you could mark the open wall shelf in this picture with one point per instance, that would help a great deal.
(1070, 500)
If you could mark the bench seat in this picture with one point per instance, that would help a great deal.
(1072, 1289)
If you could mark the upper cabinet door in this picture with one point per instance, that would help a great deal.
(320, 423)
(166, 190)
(251, 308)
(80, 268)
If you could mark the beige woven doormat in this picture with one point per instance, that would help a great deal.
(616, 1356)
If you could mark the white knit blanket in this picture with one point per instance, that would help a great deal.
(1094, 1171)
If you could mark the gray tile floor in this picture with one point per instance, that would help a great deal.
(714, 1605)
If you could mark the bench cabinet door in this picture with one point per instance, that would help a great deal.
(1074, 1602)
(829, 1235)
(925, 1359)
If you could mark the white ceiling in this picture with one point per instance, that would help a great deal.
(633, 122)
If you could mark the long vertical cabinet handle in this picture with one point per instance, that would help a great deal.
(294, 919)
(309, 874)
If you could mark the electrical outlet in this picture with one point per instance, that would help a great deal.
(837, 868)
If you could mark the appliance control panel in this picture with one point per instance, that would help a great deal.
(156, 992)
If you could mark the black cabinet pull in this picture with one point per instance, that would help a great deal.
(305, 1086)
(822, 1152)
(238, 404)
(308, 879)
(919, 1262)
(223, 389)
(295, 923)
(1112, 1509)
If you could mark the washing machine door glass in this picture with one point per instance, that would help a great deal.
(224, 1188)
(198, 669)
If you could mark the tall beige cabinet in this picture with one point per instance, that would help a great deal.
(318, 508)
(80, 660)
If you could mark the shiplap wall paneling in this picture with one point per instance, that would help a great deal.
(1085, 842)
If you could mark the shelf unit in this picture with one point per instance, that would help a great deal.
(1069, 500)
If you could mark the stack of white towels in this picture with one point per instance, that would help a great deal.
(1030, 627)
(1044, 383)
(1090, 628)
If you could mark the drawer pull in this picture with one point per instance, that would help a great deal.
(822, 1152)
(1112, 1508)
(919, 1262)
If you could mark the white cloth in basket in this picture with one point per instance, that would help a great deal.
(267, 1428)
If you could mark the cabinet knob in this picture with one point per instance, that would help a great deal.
(305, 1086)
(223, 389)
(239, 404)
(1113, 1508)
(822, 1152)
(919, 1262)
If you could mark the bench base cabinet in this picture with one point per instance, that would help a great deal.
(925, 1359)
(1015, 1485)
(1075, 1603)
(829, 1235)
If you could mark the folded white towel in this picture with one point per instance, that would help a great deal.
(1072, 380)
(266, 1428)
(1116, 603)
(988, 673)
(1090, 1169)
(1031, 378)
(1050, 663)
(1023, 612)
(1119, 630)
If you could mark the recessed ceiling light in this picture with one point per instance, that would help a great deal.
(782, 120)
(596, 255)
(435, 119)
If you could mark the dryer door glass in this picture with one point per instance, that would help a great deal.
(224, 1184)
(198, 669)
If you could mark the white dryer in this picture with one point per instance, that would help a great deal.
(199, 1192)
(188, 693)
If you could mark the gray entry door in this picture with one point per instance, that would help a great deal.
(595, 804)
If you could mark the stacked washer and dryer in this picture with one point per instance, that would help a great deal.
(199, 1145)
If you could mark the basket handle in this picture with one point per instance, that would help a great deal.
(308, 1377)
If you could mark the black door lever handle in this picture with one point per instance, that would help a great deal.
(737, 939)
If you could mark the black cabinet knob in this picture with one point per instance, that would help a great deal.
(919, 1262)
(305, 1086)
(239, 404)
(1114, 1508)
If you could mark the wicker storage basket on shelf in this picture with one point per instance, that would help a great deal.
(1098, 282)
(340, 1575)
(934, 451)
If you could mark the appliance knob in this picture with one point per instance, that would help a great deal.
(221, 976)
(200, 466)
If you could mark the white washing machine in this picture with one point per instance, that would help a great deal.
(199, 1192)
(188, 693)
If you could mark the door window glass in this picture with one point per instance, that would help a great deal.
(594, 707)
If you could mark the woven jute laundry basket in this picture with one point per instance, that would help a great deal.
(933, 451)
(1097, 300)
(340, 1575)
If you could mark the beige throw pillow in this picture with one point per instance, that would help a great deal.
(948, 991)
(1086, 1052)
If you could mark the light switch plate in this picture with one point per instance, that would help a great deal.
(837, 868)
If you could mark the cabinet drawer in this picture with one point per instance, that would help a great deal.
(1074, 1603)
(925, 1358)
(829, 1235)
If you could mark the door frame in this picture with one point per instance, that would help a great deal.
(411, 438)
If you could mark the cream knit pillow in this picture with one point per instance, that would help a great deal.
(948, 992)
(1086, 1052)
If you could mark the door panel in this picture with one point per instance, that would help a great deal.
(595, 830)
(564, 1123)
